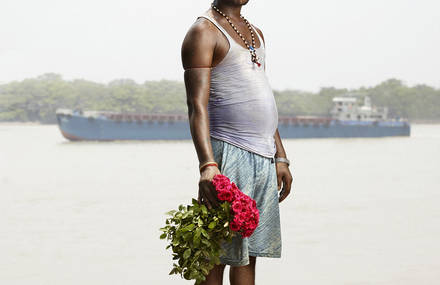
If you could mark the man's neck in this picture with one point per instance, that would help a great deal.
(233, 11)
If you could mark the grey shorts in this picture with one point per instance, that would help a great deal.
(256, 176)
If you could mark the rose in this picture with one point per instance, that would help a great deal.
(243, 208)
(225, 194)
(237, 206)
(234, 226)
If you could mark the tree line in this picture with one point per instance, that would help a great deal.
(36, 99)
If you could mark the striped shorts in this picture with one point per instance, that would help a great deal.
(256, 176)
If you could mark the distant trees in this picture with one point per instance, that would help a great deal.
(36, 99)
(420, 102)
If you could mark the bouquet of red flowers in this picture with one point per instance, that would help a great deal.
(196, 234)
(244, 208)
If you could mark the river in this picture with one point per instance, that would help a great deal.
(362, 211)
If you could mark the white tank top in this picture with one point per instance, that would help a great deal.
(242, 108)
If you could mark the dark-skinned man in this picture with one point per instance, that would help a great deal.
(233, 121)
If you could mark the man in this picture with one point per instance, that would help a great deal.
(233, 121)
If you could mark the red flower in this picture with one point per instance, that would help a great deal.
(243, 208)
(234, 226)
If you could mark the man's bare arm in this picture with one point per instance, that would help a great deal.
(280, 148)
(284, 176)
(197, 57)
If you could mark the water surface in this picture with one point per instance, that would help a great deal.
(363, 211)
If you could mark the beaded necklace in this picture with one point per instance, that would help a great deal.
(254, 58)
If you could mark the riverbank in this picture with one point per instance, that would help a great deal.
(23, 124)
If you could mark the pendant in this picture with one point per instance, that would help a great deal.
(256, 60)
(254, 57)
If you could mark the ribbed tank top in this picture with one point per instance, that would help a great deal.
(242, 109)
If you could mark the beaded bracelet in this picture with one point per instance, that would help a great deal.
(209, 163)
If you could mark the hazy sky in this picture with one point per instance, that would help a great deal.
(310, 44)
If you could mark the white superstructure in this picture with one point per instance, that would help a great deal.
(348, 109)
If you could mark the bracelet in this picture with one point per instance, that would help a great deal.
(209, 163)
(282, 159)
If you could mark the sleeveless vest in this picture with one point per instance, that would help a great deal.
(242, 109)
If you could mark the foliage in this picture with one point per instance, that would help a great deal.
(195, 236)
(36, 99)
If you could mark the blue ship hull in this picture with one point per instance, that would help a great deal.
(160, 127)
(344, 130)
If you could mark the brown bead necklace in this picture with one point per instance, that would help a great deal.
(254, 58)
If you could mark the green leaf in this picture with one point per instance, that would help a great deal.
(206, 242)
(205, 271)
(197, 254)
(163, 236)
(205, 253)
(186, 275)
(200, 221)
(204, 210)
(187, 236)
(205, 233)
(212, 224)
(187, 253)
(196, 241)
(189, 227)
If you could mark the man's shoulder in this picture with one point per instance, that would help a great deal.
(202, 27)
(201, 33)
(199, 43)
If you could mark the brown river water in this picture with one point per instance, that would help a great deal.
(362, 211)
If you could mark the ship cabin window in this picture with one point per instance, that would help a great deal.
(340, 103)
(339, 109)
(359, 117)
(348, 116)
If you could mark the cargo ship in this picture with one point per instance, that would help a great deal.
(346, 119)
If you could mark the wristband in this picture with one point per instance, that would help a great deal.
(209, 163)
(282, 159)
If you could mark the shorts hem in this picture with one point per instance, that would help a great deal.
(233, 262)
(265, 254)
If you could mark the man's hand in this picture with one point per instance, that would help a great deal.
(285, 177)
(207, 192)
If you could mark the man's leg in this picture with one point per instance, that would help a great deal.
(243, 275)
(215, 276)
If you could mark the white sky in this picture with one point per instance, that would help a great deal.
(311, 44)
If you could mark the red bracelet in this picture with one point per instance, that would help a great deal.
(208, 164)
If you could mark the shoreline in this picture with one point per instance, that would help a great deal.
(23, 124)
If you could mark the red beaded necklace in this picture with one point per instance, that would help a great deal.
(254, 58)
